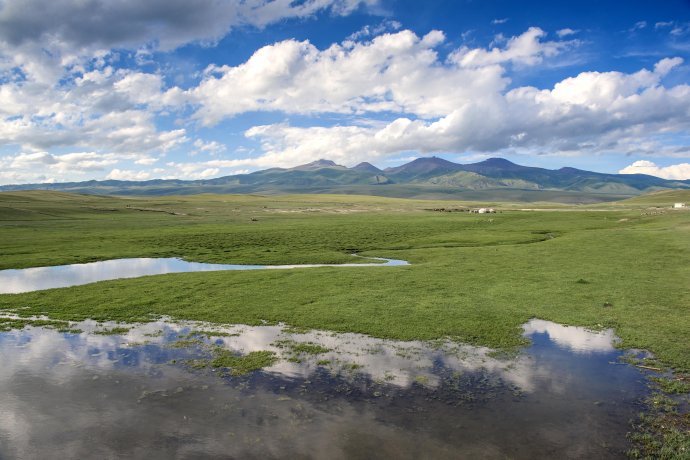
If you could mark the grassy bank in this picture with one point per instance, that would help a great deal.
(473, 277)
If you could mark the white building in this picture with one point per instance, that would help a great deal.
(678, 205)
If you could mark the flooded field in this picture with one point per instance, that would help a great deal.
(153, 391)
(14, 281)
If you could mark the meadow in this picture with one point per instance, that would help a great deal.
(475, 278)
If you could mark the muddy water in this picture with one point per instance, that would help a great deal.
(14, 281)
(135, 396)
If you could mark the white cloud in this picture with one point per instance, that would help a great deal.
(639, 25)
(678, 172)
(199, 170)
(146, 161)
(524, 49)
(577, 339)
(400, 97)
(394, 72)
(499, 21)
(385, 26)
(42, 166)
(41, 37)
(680, 30)
(96, 110)
(123, 174)
(591, 113)
(566, 32)
(211, 147)
(80, 161)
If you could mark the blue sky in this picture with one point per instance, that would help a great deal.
(170, 88)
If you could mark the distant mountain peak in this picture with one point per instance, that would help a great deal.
(365, 166)
(496, 162)
(430, 160)
(317, 164)
(421, 168)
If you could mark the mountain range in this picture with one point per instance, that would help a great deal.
(432, 177)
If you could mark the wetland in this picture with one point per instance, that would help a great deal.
(322, 395)
(511, 334)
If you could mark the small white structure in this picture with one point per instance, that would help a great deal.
(481, 210)
(678, 205)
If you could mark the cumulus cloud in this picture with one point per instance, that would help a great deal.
(42, 166)
(37, 36)
(198, 170)
(103, 109)
(211, 147)
(80, 161)
(394, 72)
(123, 174)
(525, 49)
(393, 92)
(678, 172)
(590, 113)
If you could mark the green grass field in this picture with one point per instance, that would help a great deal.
(474, 278)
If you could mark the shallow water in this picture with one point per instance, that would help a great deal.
(14, 281)
(134, 396)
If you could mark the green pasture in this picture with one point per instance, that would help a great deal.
(475, 278)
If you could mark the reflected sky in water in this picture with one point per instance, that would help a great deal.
(14, 281)
(576, 339)
(98, 396)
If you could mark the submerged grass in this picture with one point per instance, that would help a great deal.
(9, 324)
(241, 365)
(113, 331)
(662, 432)
(308, 348)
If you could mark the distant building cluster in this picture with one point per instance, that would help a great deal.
(470, 210)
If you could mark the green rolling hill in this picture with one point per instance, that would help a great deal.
(493, 179)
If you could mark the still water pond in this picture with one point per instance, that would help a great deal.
(34, 279)
(136, 395)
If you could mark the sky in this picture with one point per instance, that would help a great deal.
(138, 90)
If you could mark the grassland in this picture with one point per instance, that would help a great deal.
(475, 278)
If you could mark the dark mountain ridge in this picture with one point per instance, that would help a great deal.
(422, 177)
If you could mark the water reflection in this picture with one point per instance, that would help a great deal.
(34, 279)
(574, 338)
(132, 395)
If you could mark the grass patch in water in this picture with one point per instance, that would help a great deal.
(662, 432)
(154, 334)
(113, 331)
(244, 364)
(307, 348)
(9, 324)
(290, 329)
(672, 385)
(186, 343)
(209, 334)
